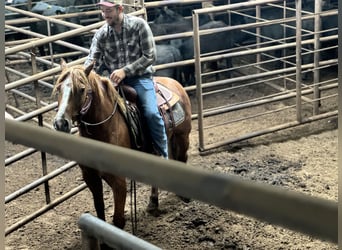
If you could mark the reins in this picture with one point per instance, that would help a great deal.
(134, 207)
(133, 182)
(101, 122)
(86, 107)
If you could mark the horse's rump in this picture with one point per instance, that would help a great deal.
(182, 107)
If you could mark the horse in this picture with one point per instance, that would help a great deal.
(93, 104)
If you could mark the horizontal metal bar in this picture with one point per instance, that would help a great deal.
(168, 3)
(268, 130)
(40, 75)
(311, 215)
(39, 181)
(42, 210)
(48, 39)
(111, 235)
(20, 156)
(233, 6)
(38, 42)
(36, 112)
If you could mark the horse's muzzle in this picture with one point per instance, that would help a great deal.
(61, 124)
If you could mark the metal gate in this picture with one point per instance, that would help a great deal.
(280, 92)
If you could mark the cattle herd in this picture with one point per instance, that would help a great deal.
(177, 19)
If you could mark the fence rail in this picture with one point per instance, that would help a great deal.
(95, 231)
(230, 193)
(310, 215)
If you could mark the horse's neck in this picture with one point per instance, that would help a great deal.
(111, 128)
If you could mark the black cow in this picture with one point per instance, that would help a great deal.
(9, 15)
(167, 15)
(209, 43)
(165, 54)
(45, 9)
(172, 28)
(168, 54)
(67, 3)
(276, 32)
(20, 4)
(180, 10)
(170, 22)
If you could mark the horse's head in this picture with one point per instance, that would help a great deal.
(74, 96)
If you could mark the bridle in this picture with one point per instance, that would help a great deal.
(87, 103)
(85, 109)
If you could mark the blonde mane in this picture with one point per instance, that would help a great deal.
(95, 81)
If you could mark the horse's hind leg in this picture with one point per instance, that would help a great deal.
(179, 147)
(179, 150)
(94, 183)
(153, 204)
(119, 189)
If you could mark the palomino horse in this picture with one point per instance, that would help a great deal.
(92, 103)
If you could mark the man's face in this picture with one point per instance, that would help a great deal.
(111, 14)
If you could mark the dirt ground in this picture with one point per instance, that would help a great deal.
(302, 159)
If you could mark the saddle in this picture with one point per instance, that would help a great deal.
(165, 97)
(168, 105)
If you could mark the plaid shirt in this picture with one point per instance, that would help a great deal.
(133, 49)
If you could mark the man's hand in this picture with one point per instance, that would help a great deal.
(117, 75)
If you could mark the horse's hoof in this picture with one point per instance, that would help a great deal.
(154, 211)
(152, 207)
(119, 222)
(153, 203)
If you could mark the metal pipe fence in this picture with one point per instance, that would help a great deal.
(296, 211)
(260, 76)
(256, 74)
(95, 231)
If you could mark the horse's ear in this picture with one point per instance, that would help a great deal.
(63, 64)
(89, 68)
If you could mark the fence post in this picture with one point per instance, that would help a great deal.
(89, 242)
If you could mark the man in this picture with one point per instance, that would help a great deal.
(124, 45)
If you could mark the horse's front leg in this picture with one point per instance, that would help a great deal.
(119, 188)
(94, 183)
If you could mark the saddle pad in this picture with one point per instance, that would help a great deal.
(170, 97)
(178, 114)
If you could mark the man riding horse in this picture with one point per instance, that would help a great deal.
(125, 46)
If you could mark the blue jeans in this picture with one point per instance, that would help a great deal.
(148, 105)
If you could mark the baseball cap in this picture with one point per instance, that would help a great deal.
(110, 3)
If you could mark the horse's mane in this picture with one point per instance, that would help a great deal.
(96, 82)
